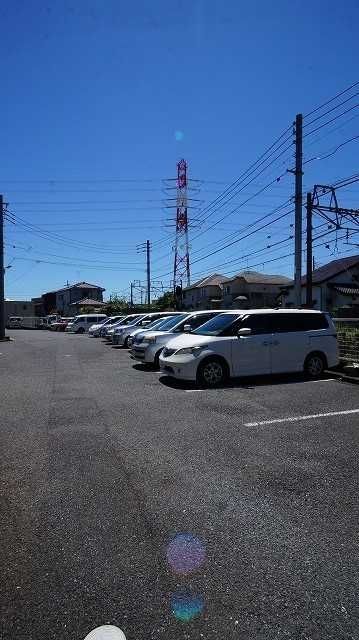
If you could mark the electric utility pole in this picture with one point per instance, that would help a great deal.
(298, 209)
(145, 247)
(131, 298)
(309, 287)
(148, 249)
(2, 271)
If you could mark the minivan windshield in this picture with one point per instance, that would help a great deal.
(172, 321)
(129, 320)
(218, 324)
(156, 324)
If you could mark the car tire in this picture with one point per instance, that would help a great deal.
(125, 343)
(315, 365)
(156, 361)
(212, 372)
(80, 330)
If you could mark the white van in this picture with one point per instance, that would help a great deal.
(253, 342)
(82, 323)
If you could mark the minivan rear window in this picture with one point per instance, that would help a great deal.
(287, 322)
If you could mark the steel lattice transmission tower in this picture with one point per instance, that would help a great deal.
(181, 266)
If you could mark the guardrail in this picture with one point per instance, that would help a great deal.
(348, 339)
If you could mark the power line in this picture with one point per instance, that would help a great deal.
(338, 95)
(307, 124)
(328, 155)
(331, 120)
(53, 237)
(289, 255)
(240, 180)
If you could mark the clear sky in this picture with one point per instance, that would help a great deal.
(100, 99)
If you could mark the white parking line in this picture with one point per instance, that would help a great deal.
(313, 416)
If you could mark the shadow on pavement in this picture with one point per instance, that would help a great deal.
(147, 368)
(241, 383)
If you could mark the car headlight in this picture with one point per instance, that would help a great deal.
(194, 351)
(150, 339)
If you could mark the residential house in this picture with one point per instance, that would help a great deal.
(335, 287)
(253, 290)
(205, 293)
(78, 292)
(60, 301)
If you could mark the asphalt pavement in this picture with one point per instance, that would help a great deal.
(169, 511)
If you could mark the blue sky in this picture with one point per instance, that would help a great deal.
(93, 94)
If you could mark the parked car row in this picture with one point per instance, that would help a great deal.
(208, 347)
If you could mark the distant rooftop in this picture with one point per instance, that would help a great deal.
(332, 269)
(255, 277)
(214, 279)
(87, 302)
(82, 285)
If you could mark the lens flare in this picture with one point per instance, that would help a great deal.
(185, 553)
(185, 607)
(106, 632)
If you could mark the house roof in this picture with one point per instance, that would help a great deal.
(333, 268)
(214, 279)
(81, 285)
(255, 277)
(87, 302)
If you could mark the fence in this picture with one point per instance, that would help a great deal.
(348, 339)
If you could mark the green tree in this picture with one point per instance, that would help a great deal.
(165, 302)
(116, 306)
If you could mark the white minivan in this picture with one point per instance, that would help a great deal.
(82, 323)
(253, 342)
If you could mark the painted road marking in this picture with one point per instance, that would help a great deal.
(313, 416)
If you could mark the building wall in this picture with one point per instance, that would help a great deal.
(23, 308)
(258, 294)
(200, 297)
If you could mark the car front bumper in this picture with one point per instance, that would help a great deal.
(183, 369)
(145, 352)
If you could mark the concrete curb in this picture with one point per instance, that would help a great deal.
(343, 376)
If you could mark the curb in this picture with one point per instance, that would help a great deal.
(343, 376)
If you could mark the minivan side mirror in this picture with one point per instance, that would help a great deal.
(187, 328)
(246, 331)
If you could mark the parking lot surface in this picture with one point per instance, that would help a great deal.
(170, 511)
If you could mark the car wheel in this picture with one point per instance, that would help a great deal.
(80, 330)
(156, 361)
(315, 365)
(125, 344)
(212, 372)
